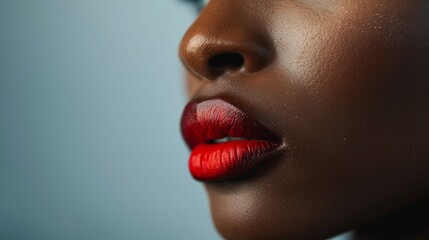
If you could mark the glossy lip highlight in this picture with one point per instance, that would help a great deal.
(225, 141)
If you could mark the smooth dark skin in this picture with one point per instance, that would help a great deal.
(345, 85)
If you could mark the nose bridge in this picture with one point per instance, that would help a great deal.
(225, 39)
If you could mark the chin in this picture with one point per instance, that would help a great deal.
(245, 216)
(255, 207)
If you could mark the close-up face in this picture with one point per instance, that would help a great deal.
(307, 118)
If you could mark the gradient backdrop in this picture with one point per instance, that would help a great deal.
(90, 99)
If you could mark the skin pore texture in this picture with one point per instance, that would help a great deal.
(345, 85)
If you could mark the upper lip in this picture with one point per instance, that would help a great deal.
(216, 120)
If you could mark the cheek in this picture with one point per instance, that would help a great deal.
(348, 67)
(354, 80)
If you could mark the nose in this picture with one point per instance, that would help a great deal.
(225, 39)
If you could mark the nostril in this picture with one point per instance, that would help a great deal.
(226, 61)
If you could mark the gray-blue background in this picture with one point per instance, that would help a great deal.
(90, 98)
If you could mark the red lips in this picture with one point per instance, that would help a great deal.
(225, 141)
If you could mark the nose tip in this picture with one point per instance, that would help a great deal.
(212, 54)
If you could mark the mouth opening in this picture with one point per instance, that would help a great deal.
(227, 139)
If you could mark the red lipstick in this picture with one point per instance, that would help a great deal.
(225, 141)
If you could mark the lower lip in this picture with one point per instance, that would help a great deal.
(224, 161)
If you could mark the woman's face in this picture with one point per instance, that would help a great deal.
(343, 85)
